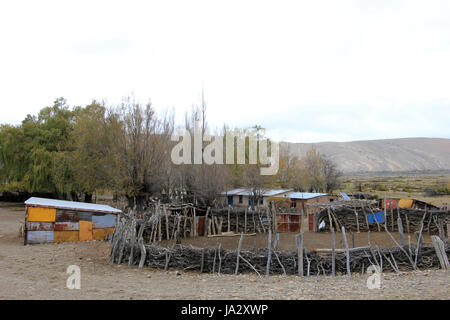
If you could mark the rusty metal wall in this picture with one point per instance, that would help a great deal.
(43, 225)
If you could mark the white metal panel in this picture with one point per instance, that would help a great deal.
(43, 202)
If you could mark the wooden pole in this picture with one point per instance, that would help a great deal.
(237, 221)
(195, 224)
(184, 222)
(357, 221)
(329, 218)
(238, 253)
(245, 221)
(347, 252)
(299, 241)
(392, 220)
(448, 230)
(440, 252)
(269, 256)
(229, 227)
(260, 221)
(367, 220)
(167, 224)
(159, 227)
(254, 222)
(400, 231)
(133, 242)
(206, 232)
(141, 245)
(333, 253)
(407, 224)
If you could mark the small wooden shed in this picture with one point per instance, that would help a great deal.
(49, 220)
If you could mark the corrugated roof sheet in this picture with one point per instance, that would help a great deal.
(301, 195)
(43, 202)
(248, 192)
(345, 196)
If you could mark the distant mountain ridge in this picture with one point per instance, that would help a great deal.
(388, 155)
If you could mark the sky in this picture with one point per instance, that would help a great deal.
(307, 71)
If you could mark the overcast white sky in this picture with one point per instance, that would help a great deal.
(308, 71)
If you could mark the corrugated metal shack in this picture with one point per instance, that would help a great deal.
(299, 215)
(48, 220)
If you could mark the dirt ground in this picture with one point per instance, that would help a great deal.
(39, 272)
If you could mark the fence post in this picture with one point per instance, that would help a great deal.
(299, 241)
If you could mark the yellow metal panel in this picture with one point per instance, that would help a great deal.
(99, 234)
(66, 236)
(41, 214)
(405, 203)
(86, 232)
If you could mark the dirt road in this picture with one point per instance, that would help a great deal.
(39, 272)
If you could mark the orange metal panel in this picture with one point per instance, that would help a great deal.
(66, 236)
(406, 203)
(86, 232)
(41, 214)
(99, 234)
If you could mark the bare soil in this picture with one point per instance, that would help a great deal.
(39, 272)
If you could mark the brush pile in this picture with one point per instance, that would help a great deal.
(128, 246)
(365, 219)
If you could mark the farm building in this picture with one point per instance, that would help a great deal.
(299, 200)
(48, 220)
(293, 214)
(244, 197)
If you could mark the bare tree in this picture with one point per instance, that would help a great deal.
(141, 150)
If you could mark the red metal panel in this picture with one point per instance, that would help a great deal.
(200, 226)
(294, 223)
(39, 226)
(283, 223)
(390, 204)
(66, 216)
(66, 226)
(311, 222)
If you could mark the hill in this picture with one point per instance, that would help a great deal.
(390, 155)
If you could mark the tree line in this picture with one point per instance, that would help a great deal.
(75, 152)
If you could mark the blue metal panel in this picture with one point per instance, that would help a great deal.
(40, 236)
(379, 215)
(104, 221)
